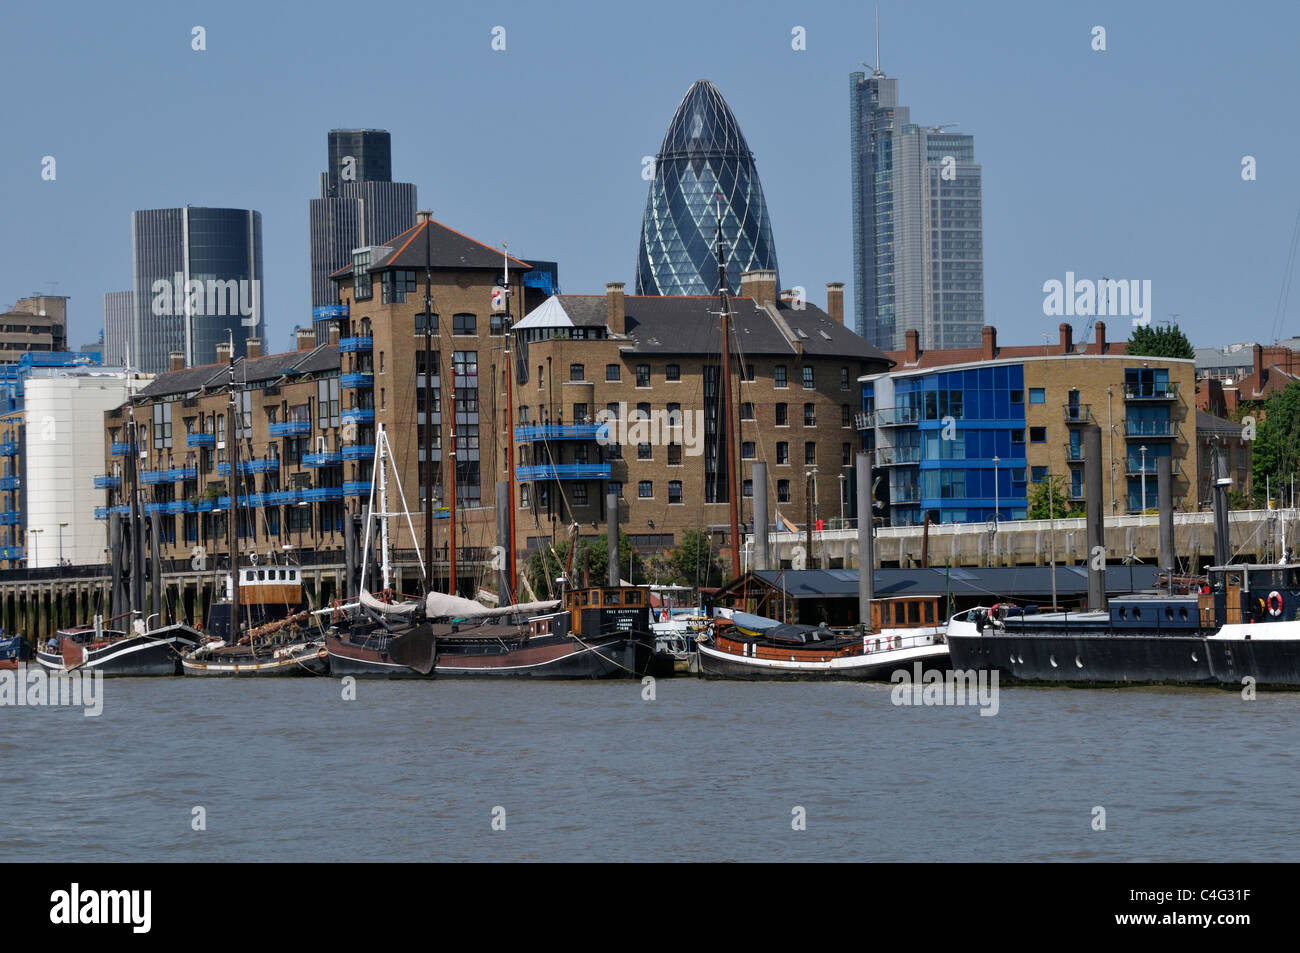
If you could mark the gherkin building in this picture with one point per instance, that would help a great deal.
(704, 161)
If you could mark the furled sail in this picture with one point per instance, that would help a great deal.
(441, 605)
(388, 608)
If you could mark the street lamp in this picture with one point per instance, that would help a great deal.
(997, 514)
(1143, 450)
(841, 500)
(36, 553)
(61, 528)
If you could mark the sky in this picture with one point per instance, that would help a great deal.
(1125, 163)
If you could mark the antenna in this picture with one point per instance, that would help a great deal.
(877, 70)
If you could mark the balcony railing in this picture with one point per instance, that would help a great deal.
(1074, 492)
(200, 440)
(115, 449)
(358, 379)
(155, 477)
(1134, 466)
(107, 482)
(897, 416)
(897, 456)
(359, 451)
(904, 494)
(1078, 413)
(1151, 428)
(1163, 391)
(357, 415)
(327, 312)
(353, 344)
(356, 488)
(13, 482)
(11, 517)
(321, 494)
(11, 552)
(558, 432)
(330, 458)
(564, 471)
(290, 428)
(863, 420)
(1073, 452)
(270, 465)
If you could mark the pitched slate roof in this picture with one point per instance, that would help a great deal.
(689, 325)
(992, 581)
(448, 248)
(269, 367)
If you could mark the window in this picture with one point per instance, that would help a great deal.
(645, 489)
(1039, 474)
(396, 285)
(616, 488)
(778, 376)
(782, 415)
(810, 452)
(1017, 436)
(611, 410)
(674, 415)
(643, 410)
(541, 378)
(807, 377)
(673, 372)
(747, 450)
(613, 372)
(674, 491)
(846, 454)
(1037, 395)
(162, 425)
(746, 411)
(577, 372)
(643, 451)
(419, 323)
(524, 495)
(361, 288)
(580, 494)
(579, 413)
(783, 491)
(643, 375)
(674, 454)
(747, 372)
(747, 489)
(1038, 435)
(497, 325)
(844, 378)
(383, 399)
(464, 324)
(782, 453)
(846, 416)
(810, 415)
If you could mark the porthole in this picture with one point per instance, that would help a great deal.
(1078, 662)
(1194, 658)
(1123, 612)
(1137, 613)
(1052, 659)
(1169, 613)
(1182, 613)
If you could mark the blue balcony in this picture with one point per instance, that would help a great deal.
(178, 506)
(115, 449)
(11, 552)
(358, 415)
(9, 448)
(559, 432)
(331, 458)
(200, 440)
(209, 506)
(155, 477)
(359, 451)
(564, 471)
(290, 428)
(10, 482)
(328, 312)
(250, 466)
(107, 482)
(1150, 428)
(150, 508)
(360, 379)
(350, 345)
(356, 488)
(322, 494)
(11, 517)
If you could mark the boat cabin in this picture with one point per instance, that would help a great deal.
(906, 612)
(269, 586)
(1247, 593)
(600, 609)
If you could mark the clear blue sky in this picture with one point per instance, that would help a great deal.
(1124, 163)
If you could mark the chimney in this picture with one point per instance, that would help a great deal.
(176, 360)
(1099, 331)
(912, 345)
(306, 338)
(1067, 338)
(223, 352)
(422, 216)
(1257, 363)
(253, 347)
(334, 334)
(759, 285)
(835, 300)
(615, 308)
(989, 342)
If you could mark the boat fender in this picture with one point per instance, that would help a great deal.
(321, 653)
(1275, 603)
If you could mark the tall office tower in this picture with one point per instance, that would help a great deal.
(704, 161)
(918, 246)
(119, 319)
(359, 205)
(198, 283)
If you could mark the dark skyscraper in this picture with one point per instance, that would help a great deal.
(359, 205)
(198, 283)
(918, 246)
(704, 160)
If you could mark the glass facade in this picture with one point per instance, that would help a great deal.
(704, 161)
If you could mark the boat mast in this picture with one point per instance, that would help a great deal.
(451, 481)
(428, 409)
(725, 430)
(233, 512)
(135, 596)
(384, 569)
(510, 428)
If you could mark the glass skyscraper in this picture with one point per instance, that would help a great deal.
(359, 205)
(918, 247)
(704, 161)
(198, 283)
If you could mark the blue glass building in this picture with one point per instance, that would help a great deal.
(704, 161)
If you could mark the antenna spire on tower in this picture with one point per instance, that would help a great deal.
(877, 38)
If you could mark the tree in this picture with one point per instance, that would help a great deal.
(694, 563)
(1277, 442)
(1164, 341)
(1044, 506)
(546, 565)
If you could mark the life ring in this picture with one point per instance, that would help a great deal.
(1275, 603)
(321, 653)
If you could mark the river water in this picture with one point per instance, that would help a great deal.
(290, 770)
